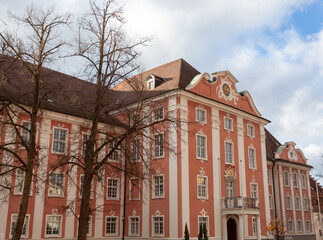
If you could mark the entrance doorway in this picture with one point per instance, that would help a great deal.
(232, 229)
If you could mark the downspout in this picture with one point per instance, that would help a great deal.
(274, 192)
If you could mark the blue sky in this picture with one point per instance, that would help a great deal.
(273, 47)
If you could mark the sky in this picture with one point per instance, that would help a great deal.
(273, 47)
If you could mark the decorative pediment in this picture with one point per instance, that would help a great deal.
(203, 213)
(226, 91)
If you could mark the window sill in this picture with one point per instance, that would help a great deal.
(162, 197)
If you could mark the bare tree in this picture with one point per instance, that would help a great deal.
(27, 51)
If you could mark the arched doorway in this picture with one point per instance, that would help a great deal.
(232, 229)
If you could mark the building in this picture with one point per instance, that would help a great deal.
(317, 203)
(219, 171)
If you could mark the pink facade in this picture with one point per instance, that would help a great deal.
(216, 173)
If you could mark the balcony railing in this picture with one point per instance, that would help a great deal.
(240, 202)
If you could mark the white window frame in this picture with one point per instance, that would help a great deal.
(199, 223)
(254, 226)
(254, 158)
(130, 188)
(60, 226)
(63, 185)
(197, 115)
(113, 187)
(85, 136)
(288, 180)
(25, 134)
(299, 226)
(297, 206)
(303, 178)
(252, 190)
(290, 226)
(153, 184)
(159, 113)
(28, 133)
(252, 134)
(289, 203)
(135, 149)
(161, 147)
(232, 152)
(130, 226)
(295, 181)
(269, 176)
(201, 186)
(81, 187)
(26, 221)
(153, 232)
(115, 156)
(65, 142)
(152, 80)
(305, 202)
(229, 120)
(89, 234)
(307, 226)
(201, 147)
(117, 226)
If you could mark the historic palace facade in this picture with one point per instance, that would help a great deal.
(221, 167)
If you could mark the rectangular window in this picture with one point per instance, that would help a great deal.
(201, 115)
(53, 226)
(269, 176)
(254, 226)
(89, 227)
(113, 189)
(254, 190)
(286, 179)
(85, 139)
(158, 114)
(114, 151)
(303, 181)
(228, 152)
(20, 181)
(299, 226)
(228, 124)
(203, 221)
(307, 226)
(24, 232)
(202, 187)
(151, 84)
(270, 202)
(251, 130)
(305, 204)
(290, 226)
(158, 226)
(295, 183)
(82, 184)
(56, 185)
(297, 204)
(25, 131)
(159, 145)
(252, 158)
(59, 141)
(111, 226)
(135, 150)
(134, 226)
(201, 146)
(158, 186)
(288, 203)
(134, 185)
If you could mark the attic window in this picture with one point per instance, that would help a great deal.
(153, 81)
(151, 84)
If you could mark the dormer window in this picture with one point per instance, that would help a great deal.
(153, 81)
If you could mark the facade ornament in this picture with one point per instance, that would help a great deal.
(112, 213)
(226, 91)
(203, 213)
(157, 213)
(229, 171)
(134, 213)
(202, 171)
